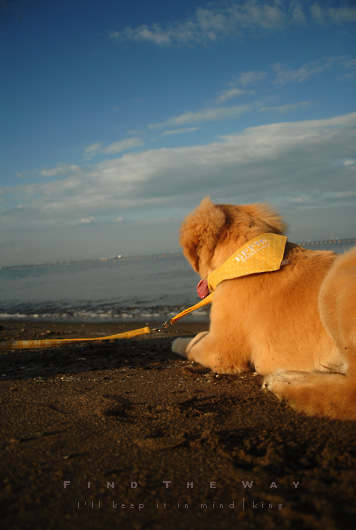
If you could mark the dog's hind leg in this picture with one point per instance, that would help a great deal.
(328, 394)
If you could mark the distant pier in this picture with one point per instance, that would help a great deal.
(349, 241)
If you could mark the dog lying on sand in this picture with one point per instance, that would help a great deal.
(295, 325)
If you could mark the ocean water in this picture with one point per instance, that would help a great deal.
(147, 288)
(152, 288)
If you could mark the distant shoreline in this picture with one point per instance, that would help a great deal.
(334, 241)
(92, 260)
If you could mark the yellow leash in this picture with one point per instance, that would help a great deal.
(202, 303)
(51, 343)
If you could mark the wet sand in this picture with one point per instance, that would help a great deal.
(129, 435)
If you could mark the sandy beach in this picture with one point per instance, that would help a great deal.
(129, 435)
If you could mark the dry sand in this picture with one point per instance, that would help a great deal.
(164, 443)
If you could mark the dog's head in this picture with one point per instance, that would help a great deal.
(212, 232)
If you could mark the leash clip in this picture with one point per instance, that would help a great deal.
(163, 326)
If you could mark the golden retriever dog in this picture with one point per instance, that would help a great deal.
(296, 326)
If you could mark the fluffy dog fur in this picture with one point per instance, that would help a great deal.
(296, 326)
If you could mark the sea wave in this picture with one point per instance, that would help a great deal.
(147, 314)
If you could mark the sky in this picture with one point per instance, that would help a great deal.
(118, 117)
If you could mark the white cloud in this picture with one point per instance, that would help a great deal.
(340, 15)
(156, 34)
(285, 74)
(20, 175)
(343, 65)
(297, 166)
(349, 66)
(280, 74)
(123, 145)
(286, 108)
(233, 18)
(348, 163)
(233, 88)
(202, 116)
(180, 131)
(91, 150)
(209, 24)
(261, 163)
(61, 169)
(250, 77)
(116, 147)
(297, 14)
(230, 93)
(318, 13)
(333, 195)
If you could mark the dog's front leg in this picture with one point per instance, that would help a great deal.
(183, 346)
(206, 350)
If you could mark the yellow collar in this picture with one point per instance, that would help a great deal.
(264, 253)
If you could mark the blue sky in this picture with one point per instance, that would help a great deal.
(119, 117)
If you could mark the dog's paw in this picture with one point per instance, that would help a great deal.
(283, 383)
(180, 346)
(284, 377)
(313, 393)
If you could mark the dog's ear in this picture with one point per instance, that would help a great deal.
(264, 217)
(200, 230)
